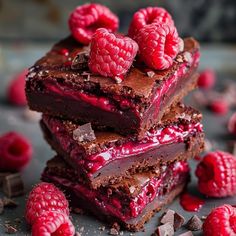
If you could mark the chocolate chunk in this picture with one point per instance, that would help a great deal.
(194, 224)
(168, 217)
(1, 206)
(9, 229)
(80, 61)
(84, 133)
(2, 176)
(178, 221)
(188, 233)
(165, 230)
(8, 202)
(13, 185)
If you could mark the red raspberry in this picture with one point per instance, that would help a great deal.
(85, 19)
(53, 223)
(158, 45)
(220, 107)
(45, 197)
(15, 151)
(148, 16)
(16, 89)
(221, 222)
(217, 174)
(207, 79)
(111, 55)
(232, 124)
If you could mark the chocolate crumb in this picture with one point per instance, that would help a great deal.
(87, 74)
(194, 224)
(178, 221)
(8, 202)
(1, 206)
(168, 217)
(84, 133)
(13, 185)
(116, 226)
(80, 61)
(188, 233)
(9, 229)
(118, 79)
(164, 230)
(150, 74)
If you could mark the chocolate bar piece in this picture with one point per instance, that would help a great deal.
(111, 157)
(131, 202)
(56, 85)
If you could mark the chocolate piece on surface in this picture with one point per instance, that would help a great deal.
(165, 230)
(84, 133)
(13, 185)
(168, 217)
(178, 221)
(194, 224)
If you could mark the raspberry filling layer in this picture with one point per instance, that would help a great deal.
(119, 104)
(126, 206)
(92, 163)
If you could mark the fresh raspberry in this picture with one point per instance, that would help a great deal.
(207, 79)
(53, 223)
(217, 174)
(45, 197)
(148, 16)
(16, 89)
(221, 222)
(220, 107)
(85, 19)
(232, 124)
(15, 151)
(111, 55)
(158, 45)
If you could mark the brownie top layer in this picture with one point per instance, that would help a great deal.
(130, 186)
(104, 139)
(137, 84)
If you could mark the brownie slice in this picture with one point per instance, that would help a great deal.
(61, 85)
(111, 157)
(132, 202)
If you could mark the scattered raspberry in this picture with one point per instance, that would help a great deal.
(15, 151)
(158, 45)
(16, 89)
(207, 79)
(45, 197)
(111, 55)
(148, 16)
(232, 124)
(220, 107)
(53, 223)
(221, 221)
(217, 174)
(85, 19)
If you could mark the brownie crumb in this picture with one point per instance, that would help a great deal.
(179, 220)
(13, 185)
(118, 79)
(194, 224)
(9, 229)
(84, 133)
(168, 217)
(80, 61)
(188, 233)
(164, 230)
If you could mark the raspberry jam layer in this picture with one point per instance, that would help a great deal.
(119, 104)
(125, 207)
(153, 139)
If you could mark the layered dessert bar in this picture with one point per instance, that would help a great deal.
(132, 202)
(105, 157)
(61, 85)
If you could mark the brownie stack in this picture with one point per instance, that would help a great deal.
(122, 149)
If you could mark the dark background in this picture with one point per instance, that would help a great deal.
(46, 20)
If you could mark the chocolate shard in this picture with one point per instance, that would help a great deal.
(188, 233)
(165, 230)
(194, 224)
(13, 185)
(80, 61)
(168, 217)
(1, 206)
(84, 133)
(179, 220)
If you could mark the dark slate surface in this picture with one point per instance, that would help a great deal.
(13, 58)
